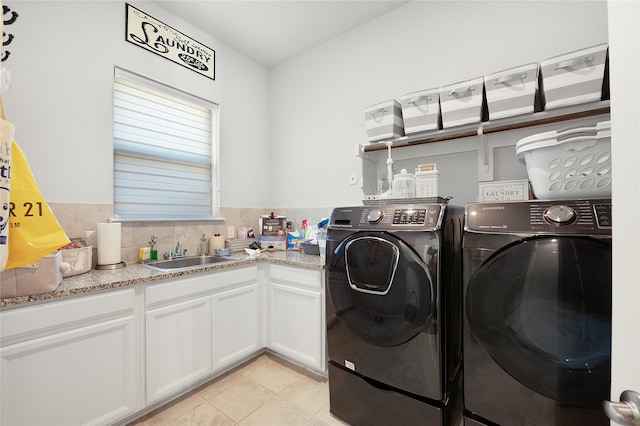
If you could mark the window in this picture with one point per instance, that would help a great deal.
(165, 152)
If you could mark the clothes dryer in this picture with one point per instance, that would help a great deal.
(537, 312)
(394, 312)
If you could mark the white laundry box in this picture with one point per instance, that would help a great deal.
(575, 78)
(42, 276)
(427, 183)
(76, 260)
(573, 163)
(504, 190)
(462, 103)
(512, 92)
(421, 111)
(384, 121)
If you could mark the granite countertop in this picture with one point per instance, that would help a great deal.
(133, 274)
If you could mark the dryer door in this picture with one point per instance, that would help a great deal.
(542, 309)
(380, 288)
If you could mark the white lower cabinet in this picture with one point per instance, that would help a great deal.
(102, 358)
(71, 362)
(178, 346)
(198, 325)
(236, 332)
(296, 315)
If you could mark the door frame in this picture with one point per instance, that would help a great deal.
(624, 45)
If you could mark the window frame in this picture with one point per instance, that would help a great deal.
(169, 91)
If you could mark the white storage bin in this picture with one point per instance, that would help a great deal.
(512, 92)
(427, 180)
(575, 77)
(384, 121)
(569, 163)
(461, 103)
(427, 183)
(76, 261)
(421, 111)
(42, 276)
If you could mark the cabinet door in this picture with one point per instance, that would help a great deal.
(295, 324)
(178, 346)
(84, 375)
(235, 325)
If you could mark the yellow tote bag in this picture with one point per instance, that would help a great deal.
(34, 231)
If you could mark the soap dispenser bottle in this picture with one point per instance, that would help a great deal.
(153, 253)
(202, 247)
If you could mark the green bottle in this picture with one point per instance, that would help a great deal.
(153, 253)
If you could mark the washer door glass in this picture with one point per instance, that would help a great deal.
(380, 288)
(542, 309)
(371, 263)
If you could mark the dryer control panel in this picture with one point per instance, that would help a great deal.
(583, 216)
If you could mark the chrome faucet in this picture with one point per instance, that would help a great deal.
(179, 252)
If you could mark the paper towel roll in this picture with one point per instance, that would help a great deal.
(108, 243)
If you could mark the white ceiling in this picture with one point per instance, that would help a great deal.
(271, 32)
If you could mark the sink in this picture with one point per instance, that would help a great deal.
(186, 262)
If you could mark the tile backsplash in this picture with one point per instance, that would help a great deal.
(77, 219)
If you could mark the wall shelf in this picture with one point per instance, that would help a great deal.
(473, 153)
(496, 126)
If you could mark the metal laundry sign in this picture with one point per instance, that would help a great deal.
(161, 39)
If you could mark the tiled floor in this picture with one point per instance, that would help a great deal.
(264, 392)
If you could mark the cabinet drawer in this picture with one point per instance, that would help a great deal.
(35, 321)
(300, 277)
(181, 288)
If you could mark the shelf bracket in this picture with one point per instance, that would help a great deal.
(485, 157)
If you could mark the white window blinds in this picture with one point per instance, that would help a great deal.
(163, 152)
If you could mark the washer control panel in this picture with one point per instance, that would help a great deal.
(388, 217)
(409, 216)
(582, 216)
(603, 215)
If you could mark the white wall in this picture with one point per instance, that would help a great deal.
(60, 99)
(289, 134)
(317, 100)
